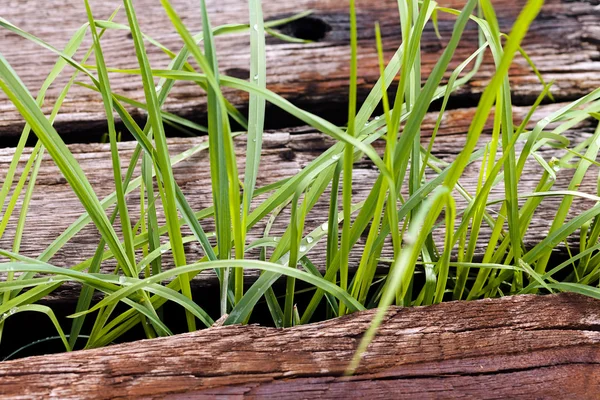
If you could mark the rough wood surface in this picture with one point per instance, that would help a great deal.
(284, 154)
(563, 42)
(519, 347)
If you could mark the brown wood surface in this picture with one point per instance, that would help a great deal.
(54, 206)
(519, 347)
(563, 42)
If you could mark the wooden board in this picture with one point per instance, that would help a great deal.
(519, 347)
(563, 42)
(284, 154)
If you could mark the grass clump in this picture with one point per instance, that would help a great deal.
(415, 199)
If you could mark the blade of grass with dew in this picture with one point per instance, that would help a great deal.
(296, 229)
(163, 154)
(332, 226)
(226, 153)
(510, 173)
(218, 164)
(122, 293)
(116, 162)
(348, 157)
(363, 276)
(104, 86)
(316, 182)
(421, 103)
(287, 243)
(256, 114)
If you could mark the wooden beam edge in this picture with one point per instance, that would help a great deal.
(517, 347)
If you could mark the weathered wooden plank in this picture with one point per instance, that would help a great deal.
(562, 42)
(518, 347)
(54, 206)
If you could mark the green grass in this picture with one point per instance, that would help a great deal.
(415, 194)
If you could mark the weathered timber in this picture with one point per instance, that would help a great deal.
(518, 347)
(563, 42)
(54, 206)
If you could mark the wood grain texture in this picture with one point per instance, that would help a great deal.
(563, 42)
(54, 206)
(487, 349)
